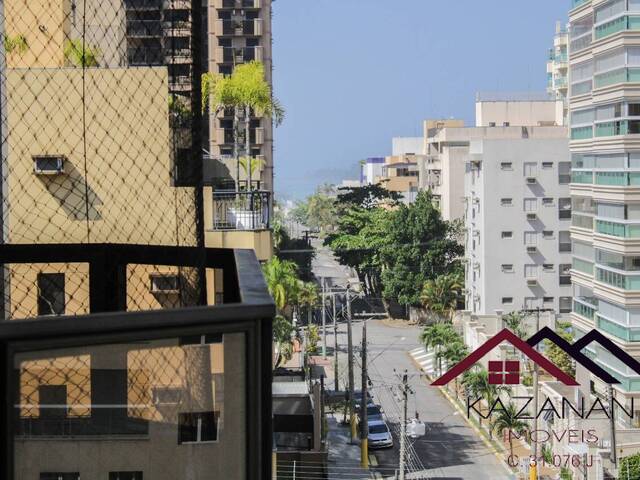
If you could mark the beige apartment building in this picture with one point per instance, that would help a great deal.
(88, 159)
(238, 213)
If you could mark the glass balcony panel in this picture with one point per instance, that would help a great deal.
(611, 228)
(610, 78)
(584, 310)
(582, 221)
(609, 28)
(582, 177)
(612, 178)
(583, 266)
(581, 133)
(618, 330)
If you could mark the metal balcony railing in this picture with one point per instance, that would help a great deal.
(247, 210)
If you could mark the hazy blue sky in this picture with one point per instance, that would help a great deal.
(352, 74)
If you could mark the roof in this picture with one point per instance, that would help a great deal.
(284, 389)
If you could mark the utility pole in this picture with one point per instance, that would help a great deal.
(335, 345)
(324, 322)
(364, 425)
(403, 425)
(352, 417)
(612, 424)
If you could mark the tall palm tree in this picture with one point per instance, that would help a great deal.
(454, 353)
(441, 295)
(282, 282)
(307, 297)
(508, 420)
(245, 90)
(437, 336)
(476, 382)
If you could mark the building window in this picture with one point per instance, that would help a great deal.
(547, 234)
(507, 300)
(197, 427)
(507, 234)
(506, 166)
(564, 173)
(51, 299)
(59, 476)
(507, 268)
(531, 271)
(506, 202)
(548, 267)
(547, 300)
(547, 165)
(564, 242)
(565, 304)
(530, 204)
(565, 274)
(564, 208)
(125, 475)
(547, 202)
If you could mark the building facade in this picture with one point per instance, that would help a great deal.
(557, 68)
(604, 103)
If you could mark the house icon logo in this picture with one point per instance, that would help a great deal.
(508, 372)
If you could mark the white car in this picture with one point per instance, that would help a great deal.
(379, 435)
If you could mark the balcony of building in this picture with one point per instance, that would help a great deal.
(240, 218)
(239, 28)
(143, 4)
(158, 392)
(177, 28)
(238, 55)
(235, 4)
(143, 28)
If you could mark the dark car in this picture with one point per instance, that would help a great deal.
(357, 398)
(374, 412)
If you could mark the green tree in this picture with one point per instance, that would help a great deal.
(436, 337)
(442, 295)
(282, 282)
(307, 297)
(508, 419)
(419, 247)
(515, 321)
(367, 197)
(282, 331)
(245, 91)
(558, 356)
(453, 353)
(476, 383)
(630, 467)
(80, 55)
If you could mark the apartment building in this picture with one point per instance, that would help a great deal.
(604, 62)
(407, 146)
(557, 68)
(239, 32)
(516, 205)
(371, 170)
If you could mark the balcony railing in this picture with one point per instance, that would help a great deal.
(145, 56)
(241, 210)
(237, 3)
(144, 28)
(618, 229)
(240, 27)
(237, 55)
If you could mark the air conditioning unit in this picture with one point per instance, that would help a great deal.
(531, 180)
(531, 216)
(476, 200)
(532, 249)
(532, 282)
(476, 265)
(48, 164)
(164, 283)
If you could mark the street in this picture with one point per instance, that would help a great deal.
(450, 449)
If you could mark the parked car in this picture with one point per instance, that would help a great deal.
(374, 412)
(379, 435)
(357, 398)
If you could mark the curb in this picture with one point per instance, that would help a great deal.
(490, 446)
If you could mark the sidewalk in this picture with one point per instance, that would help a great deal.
(344, 458)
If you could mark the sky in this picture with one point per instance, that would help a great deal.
(353, 74)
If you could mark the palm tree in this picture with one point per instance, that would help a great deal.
(454, 353)
(245, 90)
(282, 282)
(508, 420)
(476, 382)
(307, 297)
(441, 296)
(436, 336)
(514, 321)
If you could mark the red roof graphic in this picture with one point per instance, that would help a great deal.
(524, 347)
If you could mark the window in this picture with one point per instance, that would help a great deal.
(506, 166)
(505, 124)
(548, 267)
(507, 234)
(197, 427)
(507, 268)
(125, 475)
(59, 476)
(547, 300)
(564, 208)
(565, 304)
(530, 204)
(547, 202)
(564, 173)
(564, 242)
(547, 234)
(507, 300)
(530, 238)
(530, 271)
(506, 202)
(565, 274)
(51, 299)
(547, 165)
(53, 401)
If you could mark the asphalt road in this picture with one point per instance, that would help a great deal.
(450, 449)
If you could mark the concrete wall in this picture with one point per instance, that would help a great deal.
(517, 113)
(407, 145)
